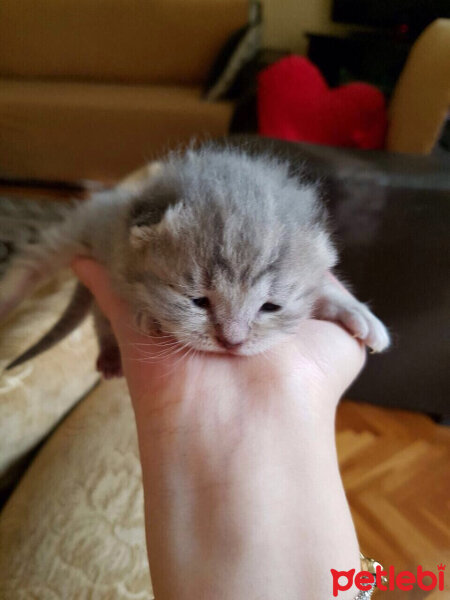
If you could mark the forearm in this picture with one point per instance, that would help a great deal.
(243, 495)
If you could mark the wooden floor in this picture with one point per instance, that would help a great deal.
(396, 471)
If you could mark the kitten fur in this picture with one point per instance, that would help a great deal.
(225, 251)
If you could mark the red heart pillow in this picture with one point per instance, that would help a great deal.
(295, 103)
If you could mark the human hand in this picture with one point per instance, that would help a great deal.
(238, 459)
(322, 353)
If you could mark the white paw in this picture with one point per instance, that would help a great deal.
(364, 325)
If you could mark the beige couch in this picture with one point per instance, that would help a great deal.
(91, 90)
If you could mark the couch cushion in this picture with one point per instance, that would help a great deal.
(74, 527)
(73, 131)
(159, 41)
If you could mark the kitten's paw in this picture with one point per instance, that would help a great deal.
(364, 325)
(109, 362)
(337, 304)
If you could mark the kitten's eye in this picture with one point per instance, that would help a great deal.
(269, 307)
(201, 302)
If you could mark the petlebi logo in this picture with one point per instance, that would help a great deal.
(388, 579)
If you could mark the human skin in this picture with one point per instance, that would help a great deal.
(242, 491)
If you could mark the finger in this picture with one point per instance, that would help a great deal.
(96, 279)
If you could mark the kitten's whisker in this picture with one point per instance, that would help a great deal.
(180, 359)
(164, 353)
(152, 344)
(155, 344)
(152, 359)
(158, 349)
(183, 348)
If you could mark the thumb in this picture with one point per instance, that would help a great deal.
(96, 279)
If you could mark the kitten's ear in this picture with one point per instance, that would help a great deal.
(151, 207)
(162, 223)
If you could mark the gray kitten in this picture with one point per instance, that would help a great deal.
(224, 251)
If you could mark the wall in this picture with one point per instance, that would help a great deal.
(287, 20)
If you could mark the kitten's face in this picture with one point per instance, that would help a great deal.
(227, 283)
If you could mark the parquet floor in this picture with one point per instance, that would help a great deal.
(396, 471)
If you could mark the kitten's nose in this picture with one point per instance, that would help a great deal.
(232, 336)
(228, 344)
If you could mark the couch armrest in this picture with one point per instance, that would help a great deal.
(421, 99)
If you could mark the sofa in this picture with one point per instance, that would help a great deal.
(91, 90)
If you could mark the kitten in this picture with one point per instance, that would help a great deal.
(226, 252)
